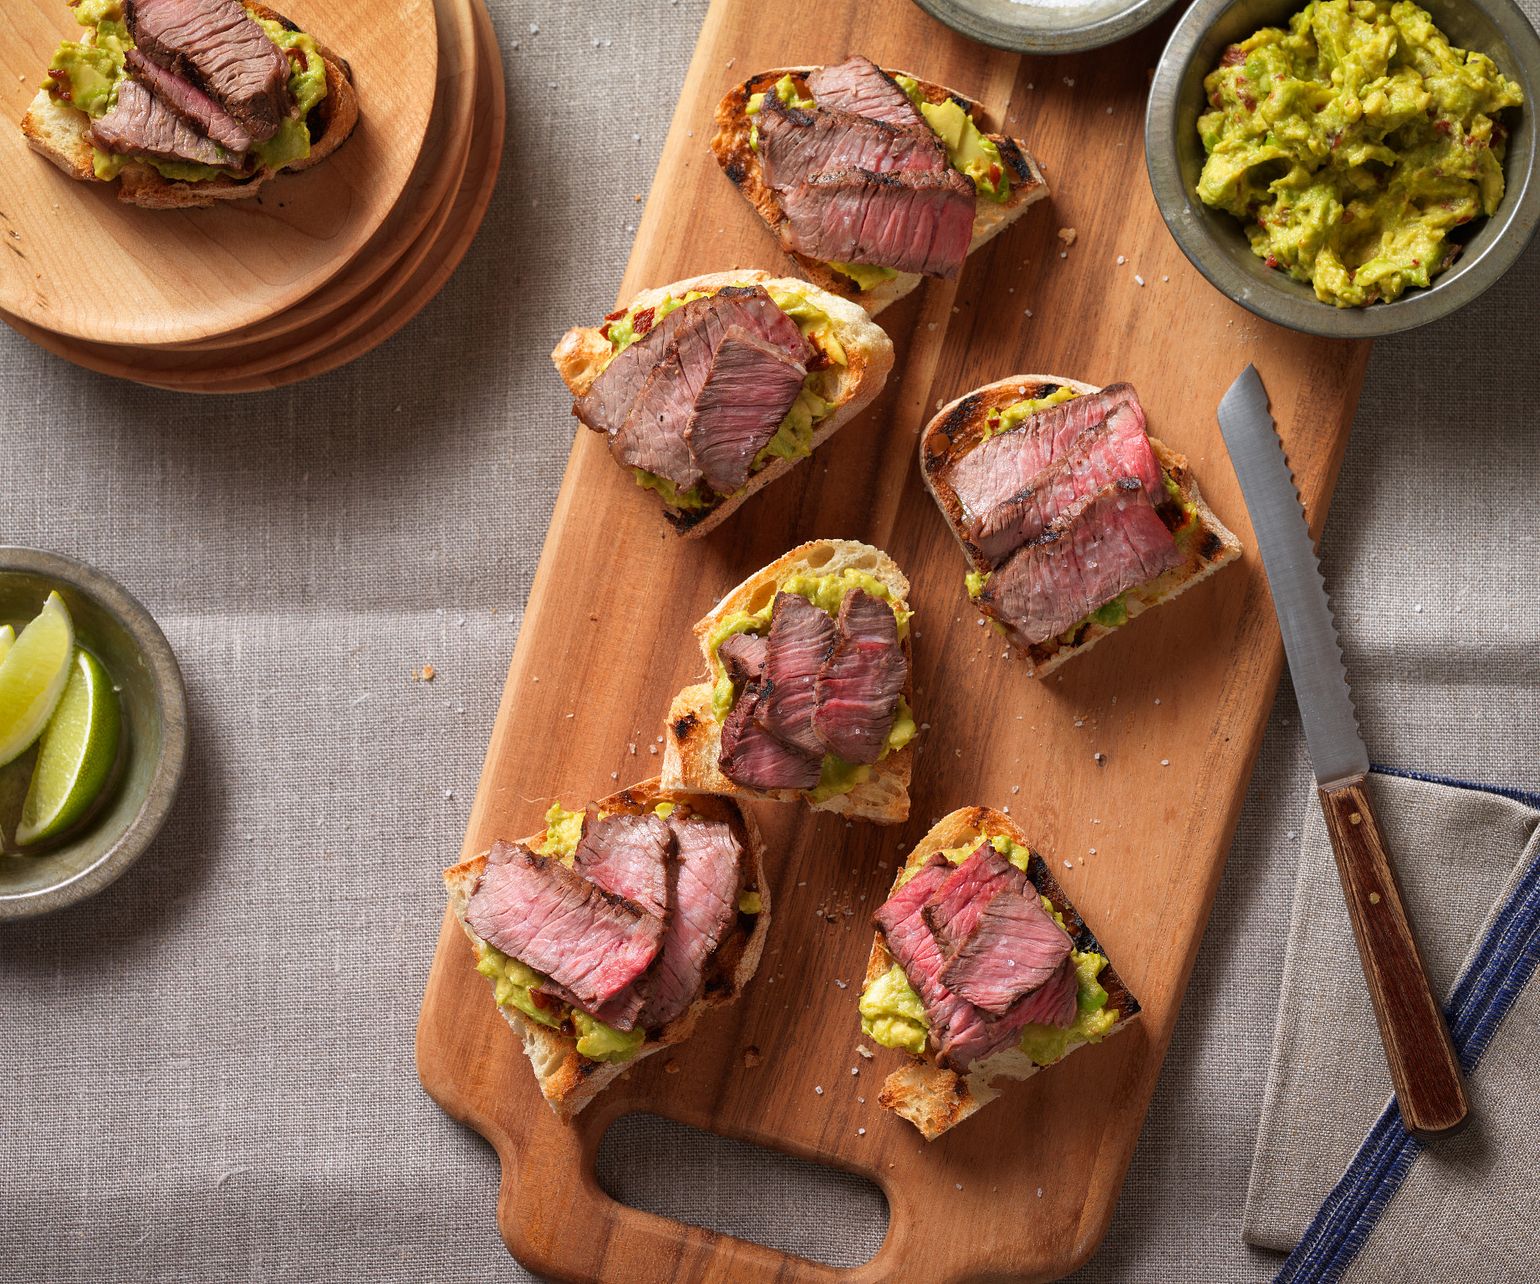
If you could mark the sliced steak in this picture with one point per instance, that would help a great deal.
(801, 639)
(703, 896)
(591, 943)
(856, 692)
(652, 436)
(914, 221)
(751, 386)
(861, 87)
(1115, 449)
(1118, 542)
(1014, 947)
(795, 144)
(752, 757)
(628, 855)
(1056, 1001)
(996, 470)
(139, 124)
(954, 911)
(189, 102)
(743, 657)
(216, 43)
(607, 405)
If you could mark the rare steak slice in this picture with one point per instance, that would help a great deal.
(857, 689)
(750, 387)
(1002, 466)
(750, 756)
(139, 124)
(591, 943)
(1118, 542)
(608, 403)
(795, 144)
(703, 895)
(189, 102)
(1014, 947)
(911, 221)
(861, 87)
(628, 855)
(219, 45)
(801, 639)
(1114, 450)
(954, 910)
(1056, 1001)
(743, 657)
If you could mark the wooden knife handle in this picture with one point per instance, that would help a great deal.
(1430, 1087)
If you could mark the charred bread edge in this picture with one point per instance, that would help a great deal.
(567, 1080)
(581, 353)
(730, 145)
(953, 431)
(57, 130)
(934, 1099)
(693, 736)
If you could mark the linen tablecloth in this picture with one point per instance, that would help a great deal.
(209, 1070)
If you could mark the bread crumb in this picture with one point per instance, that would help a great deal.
(671, 1067)
(1068, 235)
(751, 1057)
(425, 674)
(863, 1051)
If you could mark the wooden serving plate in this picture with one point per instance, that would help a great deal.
(178, 275)
(1175, 703)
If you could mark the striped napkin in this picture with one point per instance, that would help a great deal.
(1336, 1181)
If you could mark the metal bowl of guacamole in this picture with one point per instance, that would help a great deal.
(1348, 168)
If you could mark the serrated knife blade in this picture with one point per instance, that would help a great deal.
(1426, 1075)
(1294, 575)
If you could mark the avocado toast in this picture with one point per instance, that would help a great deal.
(981, 970)
(709, 389)
(187, 102)
(645, 911)
(870, 178)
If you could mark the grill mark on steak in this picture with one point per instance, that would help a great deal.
(752, 757)
(857, 689)
(795, 144)
(219, 45)
(140, 124)
(861, 87)
(189, 102)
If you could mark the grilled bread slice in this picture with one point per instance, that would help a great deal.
(569, 1080)
(57, 130)
(957, 428)
(693, 736)
(731, 144)
(584, 352)
(934, 1099)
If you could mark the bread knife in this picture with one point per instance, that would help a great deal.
(1429, 1086)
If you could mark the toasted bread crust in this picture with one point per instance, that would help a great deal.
(57, 130)
(569, 1081)
(740, 162)
(956, 429)
(693, 736)
(935, 1099)
(581, 355)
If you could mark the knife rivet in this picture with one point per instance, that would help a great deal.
(1374, 898)
(1356, 818)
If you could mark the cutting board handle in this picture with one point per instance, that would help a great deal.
(1430, 1088)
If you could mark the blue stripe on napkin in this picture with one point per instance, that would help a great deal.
(1509, 954)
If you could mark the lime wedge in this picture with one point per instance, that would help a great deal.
(32, 677)
(76, 754)
(7, 636)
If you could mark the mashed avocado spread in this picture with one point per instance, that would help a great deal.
(893, 1015)
(794, 438)
(513, 981)
(86, 73)
(1353, 143)
(825, 592)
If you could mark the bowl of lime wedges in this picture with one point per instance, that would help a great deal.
(93, 731)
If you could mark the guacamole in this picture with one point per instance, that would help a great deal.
(1353, 144)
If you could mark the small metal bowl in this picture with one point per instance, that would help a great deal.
(1046, 28)
(114, 627)
(1213, 239)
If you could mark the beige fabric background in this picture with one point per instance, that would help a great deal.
(209, 1069)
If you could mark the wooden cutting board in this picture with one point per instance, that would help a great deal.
(1176, 702)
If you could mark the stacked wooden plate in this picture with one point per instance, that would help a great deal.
(316, 270)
